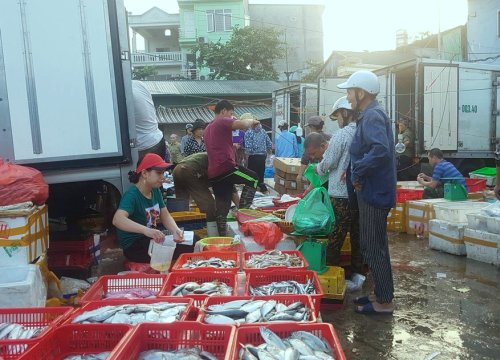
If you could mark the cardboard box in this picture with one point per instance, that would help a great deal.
(285, 175)
(292, 184)
(280, 189)
(279, 180)
(288, 165)
(24, 238)
(293, 191)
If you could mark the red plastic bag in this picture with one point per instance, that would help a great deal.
(21, 183)
(266, 234)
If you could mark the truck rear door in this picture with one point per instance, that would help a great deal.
(61, 84)
(440, 106)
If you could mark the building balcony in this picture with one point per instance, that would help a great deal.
(157, 58)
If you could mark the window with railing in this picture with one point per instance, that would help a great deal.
(219, 20)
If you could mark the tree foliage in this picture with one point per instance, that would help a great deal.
(248, 55)
(314, 70)
(141, 73)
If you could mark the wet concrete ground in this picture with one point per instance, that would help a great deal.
(457, 316)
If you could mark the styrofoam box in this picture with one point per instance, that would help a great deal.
(477, 221)
(493, 224)
(447, 236)
(490, 180)
(482, 246)
(455, 211)
(22, 286)
(23, 255)
(418, 214)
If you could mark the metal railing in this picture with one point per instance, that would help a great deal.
(157, 58)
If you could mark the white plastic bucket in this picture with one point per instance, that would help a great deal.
(161, 254)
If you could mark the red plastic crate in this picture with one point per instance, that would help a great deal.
(216, 339)
(403, 195)
(258, 279)
(116, 302)
(205, 255)
(72, 245)
(248, 255)
(73, 259)
(475, 185)
(251, 335)
(78, 339)
(31, 318)
(178, 278)
(284, 299)
(107, 283)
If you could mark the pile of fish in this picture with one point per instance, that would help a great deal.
(133, 314)
(299, 345)
(13, 331)
(184, 354)
(252, 311)
(134, 293)
(284, 287)
(213, 262)
(273, 258)
(207, 288)
(100, 356)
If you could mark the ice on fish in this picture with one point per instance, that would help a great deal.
(273, 258)
(213, 262)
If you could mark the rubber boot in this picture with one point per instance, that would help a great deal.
(247, 196)
(221, 225)
(212, 230)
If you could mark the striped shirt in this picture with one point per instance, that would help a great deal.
(445, 170)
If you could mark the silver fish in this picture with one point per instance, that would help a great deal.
(271, 338)
(301, 346)
(100, 356)
(208, 288)
(219, 319)
(291, 354)
(313, 341)
(213, 262)
(284, 287)
(273, 258)
(181, 354)
(252, 306)
(235, 304)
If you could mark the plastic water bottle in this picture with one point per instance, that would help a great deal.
(400, 147)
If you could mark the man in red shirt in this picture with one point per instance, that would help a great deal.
(223, 172)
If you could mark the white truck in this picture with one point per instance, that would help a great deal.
(454, 106)
(65, 92)
(294, 104)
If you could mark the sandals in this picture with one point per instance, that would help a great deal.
(368, 309)
(362, 300)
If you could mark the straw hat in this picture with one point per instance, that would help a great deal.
(247, 116)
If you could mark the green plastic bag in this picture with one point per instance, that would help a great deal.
(315, 179)
(314, 214)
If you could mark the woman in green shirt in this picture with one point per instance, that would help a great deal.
(142, 211)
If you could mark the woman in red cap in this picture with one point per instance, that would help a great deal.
(142, 210)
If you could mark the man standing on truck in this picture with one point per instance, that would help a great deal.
(443, 172)
(223, 171)
(149, 136)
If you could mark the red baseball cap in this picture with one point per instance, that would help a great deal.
(151, 161)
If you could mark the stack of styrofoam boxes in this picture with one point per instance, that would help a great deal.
(446, 232)
(23, 239)
(482, 235)
(418, 215)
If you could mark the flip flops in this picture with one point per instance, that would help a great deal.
(361, 300)
(368, 309)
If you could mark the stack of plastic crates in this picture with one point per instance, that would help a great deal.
(396, 220)
(333, 283)
(190, 220)
(71, 257)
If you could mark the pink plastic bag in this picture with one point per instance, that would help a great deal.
(21, 183)
(266, 234)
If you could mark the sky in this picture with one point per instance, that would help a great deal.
(363, 24)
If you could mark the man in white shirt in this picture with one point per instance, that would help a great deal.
(149, 136)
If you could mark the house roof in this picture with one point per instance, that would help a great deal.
(184, 115)
(212, 87)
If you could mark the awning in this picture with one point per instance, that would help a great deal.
(184, 115)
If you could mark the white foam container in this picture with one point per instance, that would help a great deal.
(447, 236)
(477, 221)
(22, 286)
(493, 224)
(456, 211)
(490, 180)
(482, 246)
